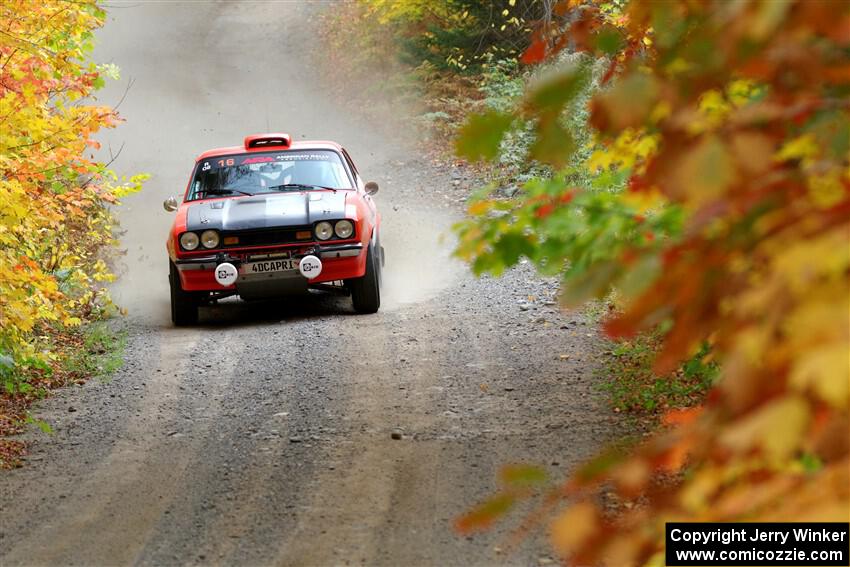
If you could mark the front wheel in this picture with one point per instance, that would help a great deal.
(366, 290)
(184, 304)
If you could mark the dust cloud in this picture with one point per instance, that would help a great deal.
(419, 263)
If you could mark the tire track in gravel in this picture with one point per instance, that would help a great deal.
(444, 374)
(352, 501)
(457, 381)
(248, 480)
(127, 487)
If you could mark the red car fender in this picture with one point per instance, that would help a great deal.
(177, 229)
(354, 210)
(357, 209)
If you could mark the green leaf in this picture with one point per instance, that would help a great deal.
(481, 135)
(483, 515)
(554, 144)
(523, 476)
(640, 276)
(601, 464)
(831, 130)
(811, 463)
(44, 426)
(593, 283)
(667, 24)
(40, 423)
(512, 246)
(552, 94)
(609, 40)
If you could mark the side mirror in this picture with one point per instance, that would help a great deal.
(170, 204)
(371, 188)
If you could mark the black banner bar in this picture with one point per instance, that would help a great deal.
(763, 544)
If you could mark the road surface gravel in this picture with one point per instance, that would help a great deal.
(294, 432)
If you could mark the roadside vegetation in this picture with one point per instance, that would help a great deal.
(687, 163)
(447, 57)
(463, 58)
(56, 226)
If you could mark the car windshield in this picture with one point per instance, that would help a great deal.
(250, 174)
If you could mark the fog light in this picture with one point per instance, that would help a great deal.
(310, 267)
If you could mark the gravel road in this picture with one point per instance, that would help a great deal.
(268, 435)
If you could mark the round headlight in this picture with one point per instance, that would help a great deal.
(324, 230)
(344, 229)
(189, 240)
(209, 238)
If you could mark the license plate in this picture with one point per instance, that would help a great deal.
(282, 265)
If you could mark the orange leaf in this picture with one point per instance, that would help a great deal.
(482, 516)
(535, 53)
(574, 527)
(544, 211)
(681, 416)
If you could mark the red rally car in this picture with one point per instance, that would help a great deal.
(270, 218)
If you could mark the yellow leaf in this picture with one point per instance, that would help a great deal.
(801, 147)
(573, 527)
(753, 152)
(777, 429)
(479, 208)
(826, 190)
(704, 174)
(826, 371)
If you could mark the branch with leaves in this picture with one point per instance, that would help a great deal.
(732, 229)
(55, 221)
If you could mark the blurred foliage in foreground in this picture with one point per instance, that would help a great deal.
(54, 222)
(727, 126)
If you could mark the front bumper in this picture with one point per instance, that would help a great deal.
(339, 262)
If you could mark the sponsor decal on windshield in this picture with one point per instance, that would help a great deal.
(220, 163)
(310, 157)
(329, 156)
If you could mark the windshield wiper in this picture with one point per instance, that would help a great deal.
(302, 186)
(226, 191)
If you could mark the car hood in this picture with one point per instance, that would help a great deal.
(266, 211)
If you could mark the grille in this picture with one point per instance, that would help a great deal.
(266, 236)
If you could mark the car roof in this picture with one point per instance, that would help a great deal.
(295, 145)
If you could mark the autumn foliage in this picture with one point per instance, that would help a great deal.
(54, 198)
(730, 124)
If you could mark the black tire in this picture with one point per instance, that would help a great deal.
(366, 290)
(184, 304)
